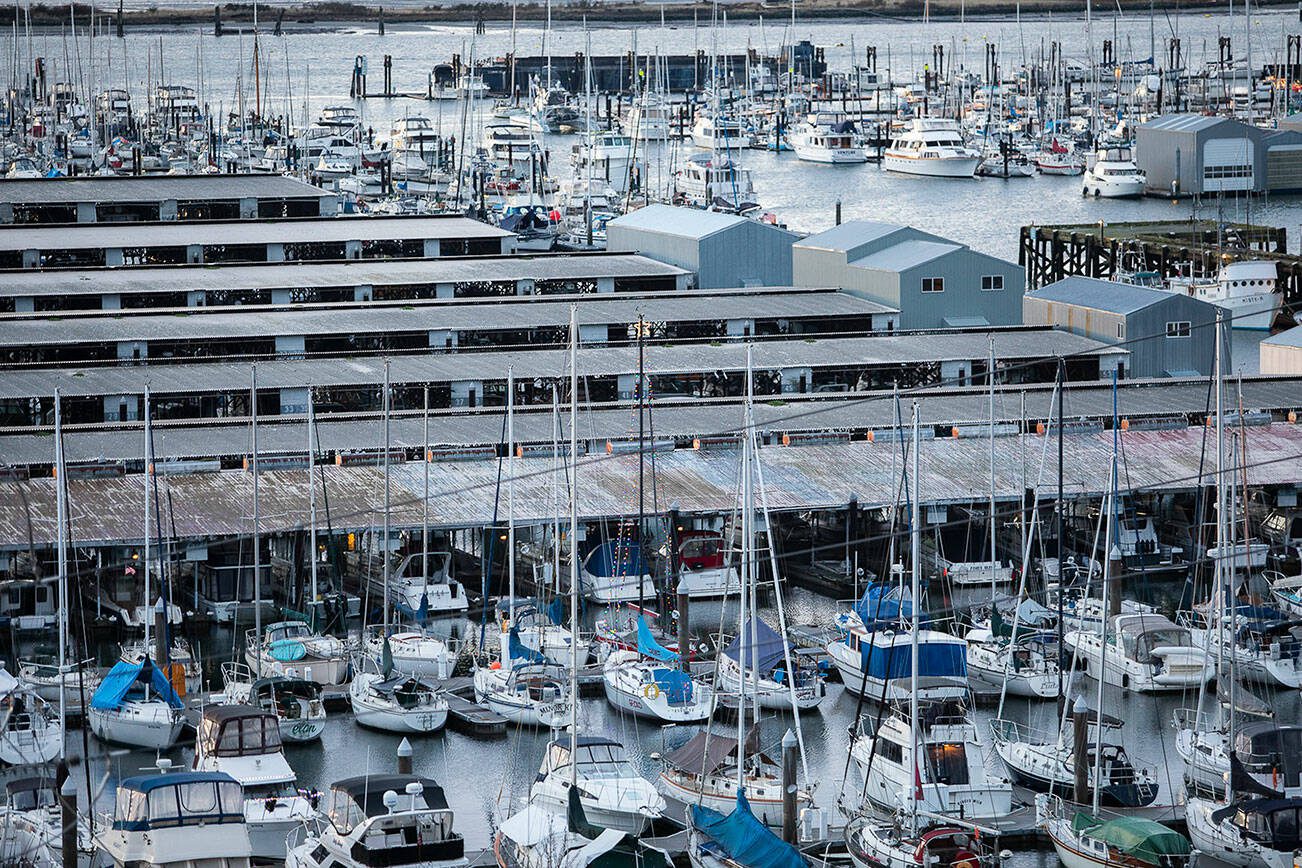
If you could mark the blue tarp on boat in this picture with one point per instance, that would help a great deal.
(124, 677)
(767, 642)
(647, 645)
(883, 603)
(675, 684)
(748, 841)
(520, 651)
(935, 659)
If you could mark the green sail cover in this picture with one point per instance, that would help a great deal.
(1145, 840)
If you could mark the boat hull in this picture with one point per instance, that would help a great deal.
(146, 725)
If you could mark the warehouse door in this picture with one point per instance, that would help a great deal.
(1228, 165)
(1284, 168)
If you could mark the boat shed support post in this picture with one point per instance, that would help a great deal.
(789, 760)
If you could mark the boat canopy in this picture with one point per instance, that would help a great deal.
(883, 603)
(748, 841)
(1274, 822)
(238, 730)
(675, 684)
(124, 677)
(367, 792)
(1145, 840)
(890, 656)
(617, 557)
(647, 645)
(149, 802)
(707, 752)
(768, 646)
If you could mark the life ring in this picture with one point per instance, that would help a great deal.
(651, 691)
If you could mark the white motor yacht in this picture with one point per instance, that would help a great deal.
(613, 794)
(717, 182)
(704, 570)
(836, 143)
(647, 119)
(719, 133)
(1143, 653)
(415, 134)
(1114, 175)
(932, 147)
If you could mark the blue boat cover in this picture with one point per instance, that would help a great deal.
(748, 841)
(675, 684)
(935, 659)
(517, 650)
(556, 612)
(287, 650)
(767, 642)
(617, 557)
(124, 676)
(647, 645)
(883, 603)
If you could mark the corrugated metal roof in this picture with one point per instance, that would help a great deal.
(1290, 338)
(1183, 123)
(155, 188)
(850, 235)
(218, 505)
(673, 418)
(905, 255)
(222, 377)
(83, 236)
(357, 318)
(1105, 295)
(691, 223)
(356, 272)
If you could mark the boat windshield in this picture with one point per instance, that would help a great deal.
(242, 736)
(603, 761)
(288, 630)
(187, 803)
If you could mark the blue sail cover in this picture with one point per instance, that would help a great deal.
(647, 645)
(771, 648)
(124, 677)
(520, 651)
(675, 684)
(883, 603)
(935, 659)
(617, 557)
(748, 841)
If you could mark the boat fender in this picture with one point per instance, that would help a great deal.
(651, 691)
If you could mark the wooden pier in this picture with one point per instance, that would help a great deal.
(1107, 250)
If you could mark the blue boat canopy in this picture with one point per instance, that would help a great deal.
(936, 659)
(647, 645)
(767, 642)
(675, 684)
(748, 841)
(520, 651)
(125, 677)
(883, 603)
(617, 557)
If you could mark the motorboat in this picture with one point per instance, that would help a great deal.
(373, 820)
(932, 147)
(526, 694)
(1144, 653)
(1085, 841)
(978, 573)
(1247, 290)
(415, 134)
(291, 648)
(759, 648)
(413, 592)
(716, 182)
(244, 742)
(536, 224)
(135, 705)
(510, 144)
(1262, 643)
(341, 117)
(27, 839)
(655, 689)
(647, 119)
(411, 651)
(703, 771)
(948, 773)
(396, 702)
(1005, 161)
(177, 820)
(612, 793)
(704, 570)
(616, 572)
(715, 132)
(837, 143)
(1248, 832)
(33, 805)
(1114, 175)
(296, 702)
(31, 733)
(874, 843)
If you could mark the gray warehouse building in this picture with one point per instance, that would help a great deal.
(1168, 334)
(934, 282)
(1196, 155)
(723, 249)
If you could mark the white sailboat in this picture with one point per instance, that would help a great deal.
(396, 703)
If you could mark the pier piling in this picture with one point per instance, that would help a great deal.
(789, 759)
(404, 757)
(1080, 726)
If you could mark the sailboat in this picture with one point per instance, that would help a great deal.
(705, 771)
(32, 732)
(649, 682)
(539, 838)
(775, 688)
(402, 703)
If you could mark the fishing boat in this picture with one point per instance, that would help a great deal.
(650, 683)
(616, 572)
(716, 182)
(31, 733)
(396, 702)
(380, 820)
(135, 705)
(1114, 175)
(177, 820)
(526, 694)
(244, 742)
(292, 648)
(1086, 841)
(704, 772)
(1143, 653)
(1245, 289)
(704, 570)
(612, 793)
(932, 147)
(719, 133)
(296, 702)
(759, 648)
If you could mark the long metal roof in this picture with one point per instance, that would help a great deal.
(155, 188)
(672, 418)
(83, 236)
(195, 324)
(309, 275)
(221, 377)
(464, 494)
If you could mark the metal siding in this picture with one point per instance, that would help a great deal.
(1228, 151)
(1284, 168)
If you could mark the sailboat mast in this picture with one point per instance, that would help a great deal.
(915, 556)
(747, 562)
(61, 508)
(424, 505)
(1222, 537)
(257, 536)
(641, 457)
(754, 548)
(311, 489)
(1059, 521)
(574, 541)
(384, 554)
(510, 490)
(1109, 540)
(990, 379)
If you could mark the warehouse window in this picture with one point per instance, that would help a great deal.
(1177, 329)
(933, 284)
(1214, 172)
(992, 282)
(1121, 331)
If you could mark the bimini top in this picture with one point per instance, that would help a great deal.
(149, 783)
(368, 791)
(149, 802)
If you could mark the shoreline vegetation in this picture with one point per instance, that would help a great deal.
(332, 14)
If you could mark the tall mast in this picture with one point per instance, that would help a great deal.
(1222, 526)
(424, 506)
(61, 508)
(754, 547)
(149, 469)
(257, 536)
(510, 489)
(1062, 698)
(574, 541)
(1109, 540)
(641, 456)
(990, 378)
(384, 593)
(915, 555)
(311, 489)
(747, 573)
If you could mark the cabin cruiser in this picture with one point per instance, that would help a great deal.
(291, 648)
(32, 805)
(372, 820)
(1262, 643)
(1245, 290)
(341, 117)
(1085, 841)
(615, 572)
(612, 793)
(1114, 175)
(296, 702)
(177, 820)
(415, 134)
(716, 182)
(1144, 653)
(244, 742)
(510, 144)
(874, 843)
(609, 157)
(760, 648)
(704, 772)
(704, 570)
(836, 142)
(719, 133)
(437, 593)
(951, 775)
(136, 705)
(647, 119)
(31, 733)
(527, 694)
(933, 147)
(393, 702)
